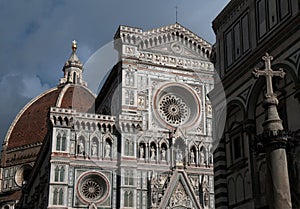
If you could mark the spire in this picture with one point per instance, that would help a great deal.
(73, 61)
(73, 69)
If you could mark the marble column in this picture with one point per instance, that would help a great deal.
(274, 141)
(278, 194)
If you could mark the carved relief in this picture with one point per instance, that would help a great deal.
(180, 198)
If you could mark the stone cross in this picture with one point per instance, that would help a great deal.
(268, 73)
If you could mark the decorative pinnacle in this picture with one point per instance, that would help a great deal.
(74, 45)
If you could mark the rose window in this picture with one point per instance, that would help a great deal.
(91, 189)
(173, 109)
(175, 105)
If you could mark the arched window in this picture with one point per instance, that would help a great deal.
(125, 199)
(58, 140)
(74, 77)
(62, 174)
(59, 174)
(61, 197)
(126, 148)
(128, 199)
(63, 143)
(56, 174)
(55, 196)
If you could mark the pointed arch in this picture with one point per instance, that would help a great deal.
(61, 197)
(88, 126)
(62, 174)
(56, 174)
(236, 114)
(240, 193)
(60, 120)
(58, 141)
(63, 142)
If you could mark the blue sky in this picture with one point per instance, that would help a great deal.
(36, 35)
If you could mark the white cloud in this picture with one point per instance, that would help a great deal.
(33, 86)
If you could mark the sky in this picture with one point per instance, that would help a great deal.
(36, 36)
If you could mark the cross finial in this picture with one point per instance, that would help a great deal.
(268, 73)
(74, 45)
(267, 58)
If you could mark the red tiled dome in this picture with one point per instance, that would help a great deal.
(30, 125)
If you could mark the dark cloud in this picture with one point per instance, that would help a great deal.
(36, 37)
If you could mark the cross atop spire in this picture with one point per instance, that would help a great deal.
(74, 45)
(268, 73)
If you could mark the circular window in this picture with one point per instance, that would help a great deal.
(173, 109)
(176, 47)
(176, 105)
(22, 175)
(93, 187)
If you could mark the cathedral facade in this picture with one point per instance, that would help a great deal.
(145, 141)
(244, 175)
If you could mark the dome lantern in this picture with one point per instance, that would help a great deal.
(73, 69)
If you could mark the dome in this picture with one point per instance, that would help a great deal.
(31, 124)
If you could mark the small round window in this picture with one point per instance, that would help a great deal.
(93, 187)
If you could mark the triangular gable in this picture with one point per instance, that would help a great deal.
(171, 39)
(176, 48)
(179, 193)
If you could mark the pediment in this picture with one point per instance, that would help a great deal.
(180, 193)
(178, 48)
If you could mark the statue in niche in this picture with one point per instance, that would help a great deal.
(163, 154)
(141, 101)
(202, 156)
(209, 109)
(154, 187)
(152, 153)
(209, 131)
(94, 148)
(72, 148)
(107, 150)
(131, 79)
(161, 180)
(211, 158)
(205, 191)
(142, 151)
(81, 147)
(192, 156)
(179, 156)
